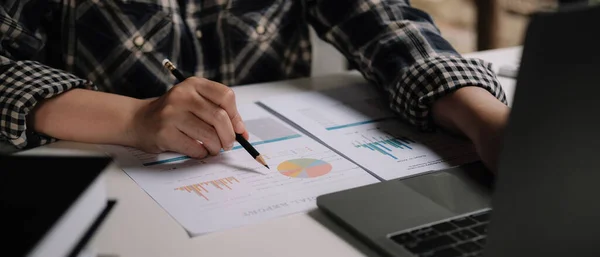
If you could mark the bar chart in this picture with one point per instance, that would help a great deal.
(202, 188)
(384, 144)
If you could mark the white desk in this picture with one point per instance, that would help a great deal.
(138, 226)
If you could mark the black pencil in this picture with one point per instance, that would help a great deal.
(238, 137)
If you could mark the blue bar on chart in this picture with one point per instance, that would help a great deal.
(385, 145)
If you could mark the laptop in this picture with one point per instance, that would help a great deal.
(52, 205)
(542, 202)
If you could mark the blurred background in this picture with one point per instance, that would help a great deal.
(501, 23)
(469, 25)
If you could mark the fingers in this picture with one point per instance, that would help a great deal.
(223, 97)
(177, 141)
(212, 103)
(238, 125)
(218, 118)
(197, 129)
(246, 135)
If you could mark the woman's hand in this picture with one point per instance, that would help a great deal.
(476, 113)
(197, 117)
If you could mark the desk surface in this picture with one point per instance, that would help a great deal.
(138, 226)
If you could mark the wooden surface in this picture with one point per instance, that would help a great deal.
(487, 24)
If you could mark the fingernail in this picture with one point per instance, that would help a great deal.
(240, 126)
(229, 147)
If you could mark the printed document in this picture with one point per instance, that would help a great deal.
(232, 189)
(357, 122)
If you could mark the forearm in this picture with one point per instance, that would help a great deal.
(86, 116)
(399, 49)
(471, 111)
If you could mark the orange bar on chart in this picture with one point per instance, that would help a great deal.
(224, 182)
(202, 191)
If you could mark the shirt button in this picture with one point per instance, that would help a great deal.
(260, 30)
(138, 41)
(199, 33)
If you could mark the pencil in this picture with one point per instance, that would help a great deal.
(238, 137)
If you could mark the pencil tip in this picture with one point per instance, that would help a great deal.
(165, 61)
(262, 161)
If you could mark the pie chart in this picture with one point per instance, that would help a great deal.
(304, 168)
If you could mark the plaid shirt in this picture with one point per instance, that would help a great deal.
(50, 46)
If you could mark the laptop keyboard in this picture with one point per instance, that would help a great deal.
(457, 237)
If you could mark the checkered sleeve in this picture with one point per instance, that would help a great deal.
(398, 48)
(24, 82)
(22, 85)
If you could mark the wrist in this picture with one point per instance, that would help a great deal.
(490, 123)
(131, 118)
(473, 112)
(477, 114)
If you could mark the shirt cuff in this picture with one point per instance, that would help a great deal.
(22, 86)
(429, 79)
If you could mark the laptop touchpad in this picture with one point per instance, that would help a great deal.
(452, 189)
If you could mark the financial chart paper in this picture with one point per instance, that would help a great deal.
(232, 189)
(357, 122)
